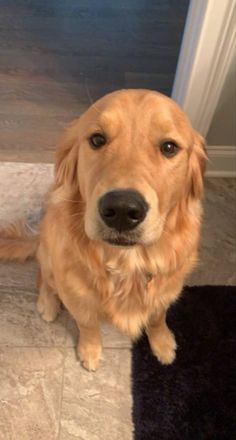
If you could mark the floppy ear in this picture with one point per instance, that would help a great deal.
(66, 162)
(197, 165)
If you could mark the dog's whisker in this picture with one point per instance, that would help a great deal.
(75, 214)
(72, 201)
(88, 91)
(92, 103)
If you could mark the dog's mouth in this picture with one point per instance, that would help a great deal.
(115, 238)
(120, 242)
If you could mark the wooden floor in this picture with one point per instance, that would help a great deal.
(59, 55)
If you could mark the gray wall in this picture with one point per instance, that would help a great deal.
(223, 127)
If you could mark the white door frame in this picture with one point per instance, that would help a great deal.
(207, 49)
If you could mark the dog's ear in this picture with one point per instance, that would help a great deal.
(66, 163)
(197, 165)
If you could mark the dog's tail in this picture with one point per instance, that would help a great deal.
(18, 242)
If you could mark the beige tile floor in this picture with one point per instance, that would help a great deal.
(44, 393)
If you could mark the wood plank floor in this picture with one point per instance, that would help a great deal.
(56, 54)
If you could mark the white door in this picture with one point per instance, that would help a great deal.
(207, 51)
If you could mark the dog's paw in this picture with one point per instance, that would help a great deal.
(48, 309)
(164, 347)
(90, 356)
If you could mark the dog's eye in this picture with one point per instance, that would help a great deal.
(169, 149)
(97, 140)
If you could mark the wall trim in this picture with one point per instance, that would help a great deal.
(222, 161)
(207, 50)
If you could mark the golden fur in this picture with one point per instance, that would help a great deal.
(131, 287)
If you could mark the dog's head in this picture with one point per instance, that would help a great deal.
(133, 156)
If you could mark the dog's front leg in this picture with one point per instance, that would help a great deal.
(161, 339)
(90, 345)
(83, 308)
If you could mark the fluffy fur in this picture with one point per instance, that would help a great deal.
(132, 287)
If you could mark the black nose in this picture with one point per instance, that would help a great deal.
(122, 209)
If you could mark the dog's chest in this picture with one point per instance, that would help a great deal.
(126, 300)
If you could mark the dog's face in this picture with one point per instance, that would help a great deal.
(134, 155)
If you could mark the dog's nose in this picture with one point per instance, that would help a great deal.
(122, 209)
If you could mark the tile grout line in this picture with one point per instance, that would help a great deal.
(58, 346)
(63, 375)
(62, 388)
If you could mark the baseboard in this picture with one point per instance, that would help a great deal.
(222, 161)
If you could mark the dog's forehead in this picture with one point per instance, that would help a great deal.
(132, 105)
(133, 102)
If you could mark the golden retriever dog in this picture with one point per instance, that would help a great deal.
(122, 225)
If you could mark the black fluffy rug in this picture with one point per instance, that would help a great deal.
(195, 397)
